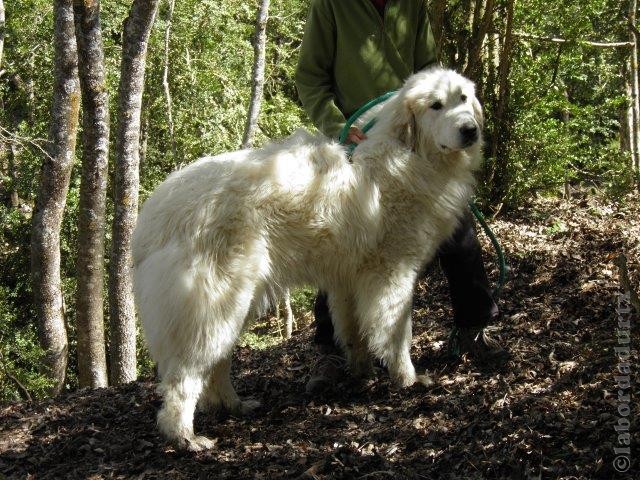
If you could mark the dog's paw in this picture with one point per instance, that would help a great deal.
(196, 443)
(404, 381)
(410, 380)
(425, 380)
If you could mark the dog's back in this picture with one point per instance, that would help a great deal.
(301, 193)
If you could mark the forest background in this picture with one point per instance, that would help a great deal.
(557, 81)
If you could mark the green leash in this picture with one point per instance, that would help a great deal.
(502, 264)
(358, 113)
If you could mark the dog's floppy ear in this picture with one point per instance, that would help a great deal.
(407, 132)
(404, 123)
(477, 112)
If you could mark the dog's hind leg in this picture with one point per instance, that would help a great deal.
(383, 304)
(175, 313)
(192, 326)
(219, 391)
(347, 333)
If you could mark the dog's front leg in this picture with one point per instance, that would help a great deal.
(383, 304)
(398, 358)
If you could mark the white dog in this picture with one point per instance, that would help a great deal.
(222, 236)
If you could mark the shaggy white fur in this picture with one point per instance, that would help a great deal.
(222, 236)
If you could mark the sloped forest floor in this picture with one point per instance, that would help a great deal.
(549, 412)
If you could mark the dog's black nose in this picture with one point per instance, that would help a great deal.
(469, 134)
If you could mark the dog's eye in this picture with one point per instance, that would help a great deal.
(436, 105)
(463, 98)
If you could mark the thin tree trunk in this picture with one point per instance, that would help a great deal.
(565, 119)
(54, 184)
(489, 100)
(257, 84)
(475, 14)
(92, 359)
(460, 38)
(482, 21)
(634, 127)
(626, 113)
(13, 175)
(4, 159)
(1, 31)
(165, 78)
(6, 149)
(499, 148)
(288, 314)
(137, 28)
(436, 19)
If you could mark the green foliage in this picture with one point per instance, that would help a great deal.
(558, 226)
(146, 366)
(268, 331)
(20, 353)
(566, 101)
(25, 98)
(260, 337)
(302, 300)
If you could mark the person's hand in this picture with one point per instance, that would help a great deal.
(355, 135)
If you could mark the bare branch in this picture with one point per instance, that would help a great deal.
(10, 137)
(587, 43)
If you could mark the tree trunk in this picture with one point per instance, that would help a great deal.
(436, 19)
(1, 31)
(137, 28)
(257, 84)
(492, 67)
(92, 360)
(482, 21)
(634, 127)
(54, 184)
(4, 146)
(626, 114)
(165, 78)
(13, 175)
(475, 15)
(499, 148)
(288, 314)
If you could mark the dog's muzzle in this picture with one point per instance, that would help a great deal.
(468, 134)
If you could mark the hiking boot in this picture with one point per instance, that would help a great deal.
(476, 343)
(327, 372)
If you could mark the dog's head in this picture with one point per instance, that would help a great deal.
(438, 109)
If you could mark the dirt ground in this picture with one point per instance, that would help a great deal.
(550, 412)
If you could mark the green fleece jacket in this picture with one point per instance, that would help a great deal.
(350, 54)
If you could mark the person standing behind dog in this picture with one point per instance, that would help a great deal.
(353, 51)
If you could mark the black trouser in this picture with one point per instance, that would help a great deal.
(461, 260)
